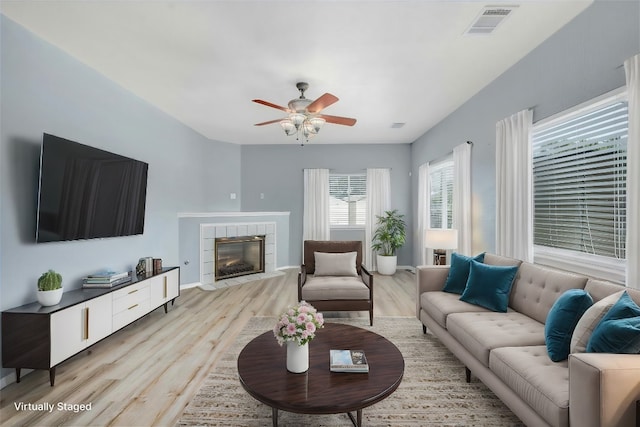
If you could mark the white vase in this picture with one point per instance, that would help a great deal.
(297, 357)
(387, 264)
(47, 298)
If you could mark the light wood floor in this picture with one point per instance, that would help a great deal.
(145, 374)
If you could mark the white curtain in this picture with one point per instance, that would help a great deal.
(462, 196)
(423, 212)
(632, 71)
(315, 222)
(378, 201)
(514, 180)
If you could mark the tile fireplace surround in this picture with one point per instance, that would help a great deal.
(208, 234)
(197, 234)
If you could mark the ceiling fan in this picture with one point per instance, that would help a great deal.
(304, 114)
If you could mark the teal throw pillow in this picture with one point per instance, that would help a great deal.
(459, 272)
(489, 286)
(562, 320)
(619, 329)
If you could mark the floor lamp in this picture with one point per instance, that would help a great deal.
(440, 240)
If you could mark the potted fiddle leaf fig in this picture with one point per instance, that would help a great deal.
(389, 236)
(50, 288)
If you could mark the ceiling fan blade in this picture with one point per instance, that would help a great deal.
(268, 123)
(321, 103)
(270, 104)
(346, 121)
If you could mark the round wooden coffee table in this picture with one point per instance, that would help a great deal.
(263, 373)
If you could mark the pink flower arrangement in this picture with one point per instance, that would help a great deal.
(299, 323)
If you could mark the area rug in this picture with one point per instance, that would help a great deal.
(433, 391)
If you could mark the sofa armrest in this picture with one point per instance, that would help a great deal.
(429, 278)
(603, 389)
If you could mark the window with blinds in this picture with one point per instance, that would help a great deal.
(579, 182)
(441, 194)
(347, 200)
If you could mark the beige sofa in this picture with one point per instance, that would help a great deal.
(507, 351)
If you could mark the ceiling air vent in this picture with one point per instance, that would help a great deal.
(397, 125)
(489, 19)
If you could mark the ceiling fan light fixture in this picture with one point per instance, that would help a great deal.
(297, 119)
(288, 126)
(317, 123)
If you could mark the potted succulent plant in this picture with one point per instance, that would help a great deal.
(389, 236)
(49, 288)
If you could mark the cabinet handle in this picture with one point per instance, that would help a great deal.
(86, 323)
(133, 291)
(165, 287)
(133, 306)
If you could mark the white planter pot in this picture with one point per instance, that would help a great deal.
(387, 264)
(47, 298)
(297, 357)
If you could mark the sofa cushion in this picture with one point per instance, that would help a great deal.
(335, 264)
(619, 329)
(334, 287)
(489, 286)
(459, 272)
(480, 333)
(589, 321)
(543, 384)
(562, 320)
(537, 288)
(438, 305)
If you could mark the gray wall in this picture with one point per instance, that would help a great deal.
(45, 90)
(579, 62)
(277, 171)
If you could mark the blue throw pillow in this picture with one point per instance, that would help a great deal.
(562, 320)
(459, 272)
(619, 329)
(489, 286)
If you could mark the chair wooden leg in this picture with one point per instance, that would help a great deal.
(467, 373)
(370, 317)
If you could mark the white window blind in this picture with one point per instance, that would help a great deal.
(347, 199)
(579, 179)
(441, 194)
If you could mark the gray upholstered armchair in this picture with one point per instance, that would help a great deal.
(332, 277)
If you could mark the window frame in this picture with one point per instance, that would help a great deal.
(588, 264)
(436, 166)
(347, 226)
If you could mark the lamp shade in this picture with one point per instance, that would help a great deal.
(436, 238)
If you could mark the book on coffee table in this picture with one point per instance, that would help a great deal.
(348, 361)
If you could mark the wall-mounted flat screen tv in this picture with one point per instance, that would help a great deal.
(88, 193)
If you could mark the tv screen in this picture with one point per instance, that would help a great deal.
(88, 193)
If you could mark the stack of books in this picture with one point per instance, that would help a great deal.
(106, 279)
(348, 361)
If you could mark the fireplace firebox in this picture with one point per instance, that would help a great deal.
(238, 256)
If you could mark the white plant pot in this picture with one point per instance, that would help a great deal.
(47, 298)
(387, 264)
(297, 357)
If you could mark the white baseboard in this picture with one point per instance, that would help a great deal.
(190, 285)
(399, 267)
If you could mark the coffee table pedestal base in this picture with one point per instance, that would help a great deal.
(357, 420)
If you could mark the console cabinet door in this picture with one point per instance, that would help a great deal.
(67, 333)
(100, 319)
(76, 328)
(164, 288)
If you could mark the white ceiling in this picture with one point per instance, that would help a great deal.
(203, 62)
